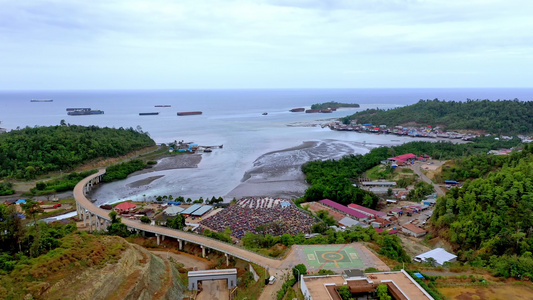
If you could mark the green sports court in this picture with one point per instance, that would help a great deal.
(333, 257)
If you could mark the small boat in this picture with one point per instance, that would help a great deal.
(189, 113)
(208, 150)
(41, 100)
(265, 113)
(149, 114)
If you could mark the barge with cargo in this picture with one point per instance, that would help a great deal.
(189, 113)
(85, 111)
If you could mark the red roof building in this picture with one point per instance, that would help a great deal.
(367, 211)
(125, 207)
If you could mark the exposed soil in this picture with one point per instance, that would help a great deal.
(491, 292)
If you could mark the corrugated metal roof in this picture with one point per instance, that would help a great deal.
(191, 209)
(202, 210)
(345, 209)
(367, 210)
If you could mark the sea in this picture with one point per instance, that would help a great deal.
(232, 118)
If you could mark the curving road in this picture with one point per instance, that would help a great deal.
(418, 171)
(83, 202)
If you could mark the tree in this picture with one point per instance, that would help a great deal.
(32, 209)
(299, 269)
(117, 227)
(383, 292)
(344, 292)
(146, 220)
(178, 222)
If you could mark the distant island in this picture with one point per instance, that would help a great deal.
(502, 116)
(333, 104)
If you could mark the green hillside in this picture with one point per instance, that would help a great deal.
(29, 152)
(489, 219)
(333, 104)
(502, 116)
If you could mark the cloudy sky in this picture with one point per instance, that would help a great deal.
(192, 44)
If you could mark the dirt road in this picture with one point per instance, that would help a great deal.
(418, 171)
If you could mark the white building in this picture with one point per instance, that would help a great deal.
(439, 255)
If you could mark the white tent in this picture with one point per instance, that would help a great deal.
(439, 255)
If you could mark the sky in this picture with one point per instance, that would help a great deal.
(198, 44)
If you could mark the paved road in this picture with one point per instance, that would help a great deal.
(418, 171)
(232, 250)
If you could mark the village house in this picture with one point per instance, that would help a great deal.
(413, 230)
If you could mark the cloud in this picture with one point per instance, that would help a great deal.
(262, 36)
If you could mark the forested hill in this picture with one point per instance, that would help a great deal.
(502, 116)
(490, 219)
(29, 152)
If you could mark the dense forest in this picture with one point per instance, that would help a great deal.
(333, 179)
(29, 152)
(333, 104)
(502, 117)
(489, 219)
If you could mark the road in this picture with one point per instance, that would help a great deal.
(418, 171)
(232, 250)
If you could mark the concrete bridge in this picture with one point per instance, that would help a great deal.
(98, 219)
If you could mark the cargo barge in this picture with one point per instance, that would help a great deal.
(162, 105)
(311, 111)
(149, 114)
(41, 100)
(84, 112)
(299, 109)
(77, 108)
(189, 113)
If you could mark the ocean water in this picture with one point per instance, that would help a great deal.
(230, 117)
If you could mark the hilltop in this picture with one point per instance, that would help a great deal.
(30, 152)
(501, 117)
(87, 266)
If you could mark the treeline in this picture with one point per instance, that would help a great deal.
(29, 152)
(122, 170)
(334, 179)
(489, 218)
(333, 104)
(501, 117)
(6, 188)
(64, 183)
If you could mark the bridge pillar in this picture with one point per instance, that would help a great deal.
(162, 238)
(158, 239)
(203, 251)
(227, 259)
(180, 244)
